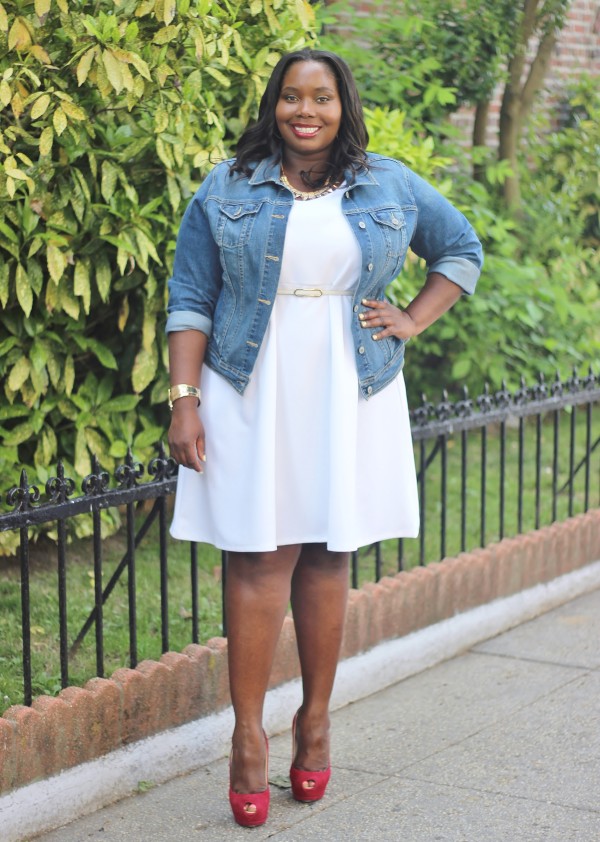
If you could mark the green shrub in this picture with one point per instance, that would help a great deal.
(537, 306)
(110, 115)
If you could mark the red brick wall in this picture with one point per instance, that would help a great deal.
(577, 52)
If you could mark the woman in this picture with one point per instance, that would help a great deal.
(300, 451)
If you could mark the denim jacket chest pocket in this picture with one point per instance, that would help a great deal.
(235, 222)
(390, 224)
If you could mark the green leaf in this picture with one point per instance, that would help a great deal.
(461, 368)
(24, 293)
(104, 355)
(148, 437)
(57, 262)
(141, 66)
(4, 283)
(84, 65)
(35, 276)
(46, 141)
(19, 434)
(69, 375)
(83, 465)
(68, 302)
(220, 77)
(39, 107)
(81, 283)
(118, 449)
(19, 374)
(113, 66)
(144, 369)
(123, 403)
(103, 276)
(47, 446)
(167, 33)
(59, 121)
(174, 192)
(96, 442)
(38, 356)
(110, 174)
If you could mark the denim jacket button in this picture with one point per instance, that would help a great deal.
(369, 390)
(361, 350)
(362, 224)
(370, 267)
(355, 308)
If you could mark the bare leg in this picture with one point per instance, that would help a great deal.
(319, 596)
(256, 597)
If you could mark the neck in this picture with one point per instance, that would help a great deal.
(294, 165)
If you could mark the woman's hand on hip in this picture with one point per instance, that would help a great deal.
(186, 435)
(386, 320)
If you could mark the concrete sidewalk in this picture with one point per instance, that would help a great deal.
(501, 743)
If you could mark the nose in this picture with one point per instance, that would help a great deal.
(305, 108)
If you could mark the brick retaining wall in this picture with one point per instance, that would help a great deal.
(84, 723)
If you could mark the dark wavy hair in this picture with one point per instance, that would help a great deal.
(262, 139)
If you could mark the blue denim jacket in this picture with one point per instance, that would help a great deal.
(230, 246)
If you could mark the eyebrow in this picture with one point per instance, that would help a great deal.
(323, 89)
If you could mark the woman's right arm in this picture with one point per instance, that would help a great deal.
(186, 433)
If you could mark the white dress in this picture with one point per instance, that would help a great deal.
(301, 456)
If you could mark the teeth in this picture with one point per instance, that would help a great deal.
(306, 130)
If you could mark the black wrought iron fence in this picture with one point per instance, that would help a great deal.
(487, 467)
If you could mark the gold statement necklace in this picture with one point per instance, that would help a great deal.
(328, 187)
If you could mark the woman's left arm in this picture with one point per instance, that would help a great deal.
(452, 251)
(435, 298)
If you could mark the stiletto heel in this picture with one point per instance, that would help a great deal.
(299, 777)
(240, 801)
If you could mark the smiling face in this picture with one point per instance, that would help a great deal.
(309, 110)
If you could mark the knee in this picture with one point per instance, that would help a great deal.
(259, 565)
(317, 555)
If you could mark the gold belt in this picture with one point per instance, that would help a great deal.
(313, 292)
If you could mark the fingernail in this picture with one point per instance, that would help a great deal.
(362, 316)
(364, 301)
(203, 458)
(375, 337)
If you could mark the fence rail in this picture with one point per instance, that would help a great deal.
(444, 450)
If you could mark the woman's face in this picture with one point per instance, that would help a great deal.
(309, 110)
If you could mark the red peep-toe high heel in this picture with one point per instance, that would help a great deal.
(241, 801)
(300, 777)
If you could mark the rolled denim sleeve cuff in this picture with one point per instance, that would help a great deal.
(459, 270)
(188, 320)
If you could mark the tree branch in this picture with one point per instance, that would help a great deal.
(525, 31)
(537, 73)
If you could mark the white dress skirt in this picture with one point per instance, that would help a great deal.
(301, 456)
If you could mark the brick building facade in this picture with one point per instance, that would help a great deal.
(577, 52)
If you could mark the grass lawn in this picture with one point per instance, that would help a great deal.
(80, 576)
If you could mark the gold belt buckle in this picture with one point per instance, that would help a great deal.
(308, 293)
